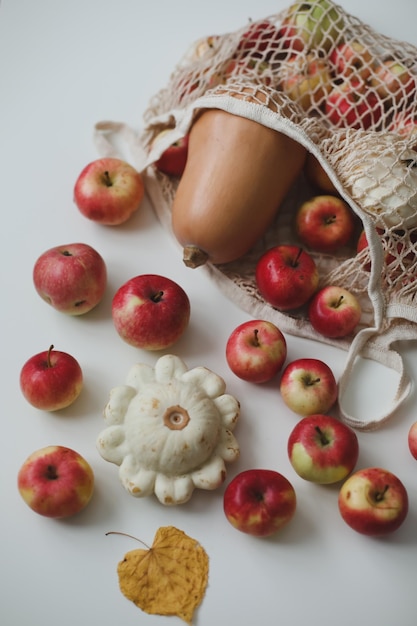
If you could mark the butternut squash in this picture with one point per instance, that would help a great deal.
(236, 176)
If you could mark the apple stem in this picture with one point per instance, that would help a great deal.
(106, 179)
(299, 253)
(311, 381)
(380, 495)
(48, 356)
(115, 532)
(338, 303)
(323, 439)
(51, 473)
(256, 342)
(157, 297)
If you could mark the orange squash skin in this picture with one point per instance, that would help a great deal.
(237, 174)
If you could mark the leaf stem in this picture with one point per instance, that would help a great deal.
(116, 532)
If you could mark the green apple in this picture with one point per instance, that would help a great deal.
(318, 23)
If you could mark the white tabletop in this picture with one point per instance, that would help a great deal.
(63, 67)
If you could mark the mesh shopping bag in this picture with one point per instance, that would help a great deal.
(346, 93)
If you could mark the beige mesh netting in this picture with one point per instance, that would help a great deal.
(348, 94)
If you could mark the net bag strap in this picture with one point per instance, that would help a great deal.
(378, 347)
(107, 132)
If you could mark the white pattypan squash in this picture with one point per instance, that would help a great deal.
(169, 429)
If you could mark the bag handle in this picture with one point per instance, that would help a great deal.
(106, 131)
(377, 347)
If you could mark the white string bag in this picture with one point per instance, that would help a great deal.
(320, 76)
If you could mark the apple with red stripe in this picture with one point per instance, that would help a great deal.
(412, 439)
(353, 104)
(325, 223)
(362, 244)
(286, 276)
(334, 312)
(71, 278)
(373, 501)
(322, 449)
(260, 39)
(174, 158)
(395, 246)
(256, 351)
(108, 191)
(51, 380)
(150, 311)
(352, 58)
(56, 482)
(308, 386)
(259, 502)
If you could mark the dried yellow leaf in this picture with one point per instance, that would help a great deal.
(169, 578)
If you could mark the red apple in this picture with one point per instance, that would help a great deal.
(351, 59)
(108, 191)
(51, 380)
(412, 439)
(190, 83)
(362, 244)
(353, 104)
(187, 84)
(259, 502)
(256, 351)
(291, 38)
(150, 311)
(323, 449)
(258, 38)
(172, 161)
(286, 276)
(324, 223)
(392, 79)
(317, 175)
(71, 278)
(373, 501)
(308, 386)
(334, 312)
(403, 122)
(56, 482)
(307, 80)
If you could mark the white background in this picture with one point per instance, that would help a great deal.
(63, 67)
